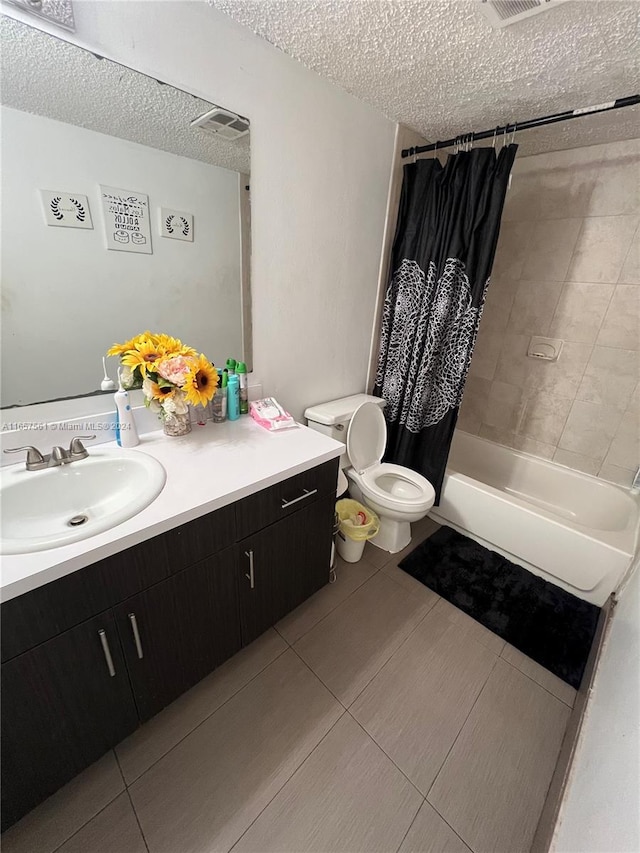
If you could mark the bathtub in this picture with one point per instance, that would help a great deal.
(570, 528)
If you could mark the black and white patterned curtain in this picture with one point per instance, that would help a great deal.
(445, 242)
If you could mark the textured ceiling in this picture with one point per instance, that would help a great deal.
(56, 79)
(439, 67)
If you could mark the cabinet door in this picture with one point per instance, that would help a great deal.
(283, 565)
(64, 704)
(178, 631)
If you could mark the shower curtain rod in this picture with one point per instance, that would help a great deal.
(517, 126)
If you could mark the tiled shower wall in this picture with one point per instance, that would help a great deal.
(567, 266)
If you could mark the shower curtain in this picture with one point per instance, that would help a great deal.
(443, 251)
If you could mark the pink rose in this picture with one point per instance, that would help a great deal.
(175, 369)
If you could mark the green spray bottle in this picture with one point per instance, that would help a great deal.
(241, 370)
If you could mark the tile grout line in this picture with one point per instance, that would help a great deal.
(133, 808)
(410, 825)
(215, 711)
(326, 615)
(537, 683)
(393, 653)
(329, 612)
(286, 782)
(386, 754)
(135, 814)
(99, 812)
(457, 737)
(636, 233)
(315, 675)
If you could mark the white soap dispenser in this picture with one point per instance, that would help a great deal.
(126, 432)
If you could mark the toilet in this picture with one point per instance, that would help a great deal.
(396, 494)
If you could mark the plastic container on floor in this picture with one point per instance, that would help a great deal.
(358, 524)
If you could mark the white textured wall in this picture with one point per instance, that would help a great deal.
(601, 811)
(73, 296)
(320, 164)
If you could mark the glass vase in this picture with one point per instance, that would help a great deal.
(174, 424)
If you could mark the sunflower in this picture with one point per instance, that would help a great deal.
(174, 346)
(157, 392)
(121, 349)
(144, 355)
(200, 386)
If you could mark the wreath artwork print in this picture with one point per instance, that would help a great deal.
(176, 224)
(66, 210)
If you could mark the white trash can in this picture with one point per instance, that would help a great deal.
(350, 550)
(358, 524)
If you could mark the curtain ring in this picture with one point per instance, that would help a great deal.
(435, 151)
(471, 140)
(504, 136)
(494, 138)
(513, 134)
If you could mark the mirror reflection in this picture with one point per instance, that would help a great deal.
(125, 207)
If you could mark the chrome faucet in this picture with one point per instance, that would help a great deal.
(36, 461)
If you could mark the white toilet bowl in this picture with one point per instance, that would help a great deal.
(398, 495)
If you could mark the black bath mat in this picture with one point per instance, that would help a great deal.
(546, 623)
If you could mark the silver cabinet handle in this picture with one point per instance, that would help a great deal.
(107, 652)
(307, 494)
(251, 576)
(136, 634)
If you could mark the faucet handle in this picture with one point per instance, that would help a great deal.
(34, 457)
(77, 448)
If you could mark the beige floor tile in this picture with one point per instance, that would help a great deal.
(155, 738)
(347, 796)
(430, 834)
(419, 532)
(207, 791)
(376, 556)
(416, 705)
(349, 576)
(492, 786)
(412, 586)
(559, 688)
(58, 818)
(114, 830)
(474, 629)
(353, 642)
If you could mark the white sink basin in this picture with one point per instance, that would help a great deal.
(56, 506)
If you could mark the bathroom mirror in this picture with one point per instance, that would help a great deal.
(118, 215)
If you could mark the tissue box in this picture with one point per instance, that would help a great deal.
(270, 414)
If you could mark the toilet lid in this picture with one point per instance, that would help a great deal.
(366, 437)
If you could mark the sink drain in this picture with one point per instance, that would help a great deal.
(77, 520)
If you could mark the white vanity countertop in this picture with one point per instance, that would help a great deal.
(215, 465)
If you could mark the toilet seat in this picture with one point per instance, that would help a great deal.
(392, 486)
(379, 482)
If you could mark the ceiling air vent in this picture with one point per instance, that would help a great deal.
(222, 123)
(502, 13)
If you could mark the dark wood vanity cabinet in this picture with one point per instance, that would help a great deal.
(89, 657)
(178, 631)
(282, 565)
(62, 708)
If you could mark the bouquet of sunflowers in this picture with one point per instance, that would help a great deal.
(172, 375)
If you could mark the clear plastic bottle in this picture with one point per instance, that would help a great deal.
(219, 402)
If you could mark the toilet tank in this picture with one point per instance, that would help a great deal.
(333, 418)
